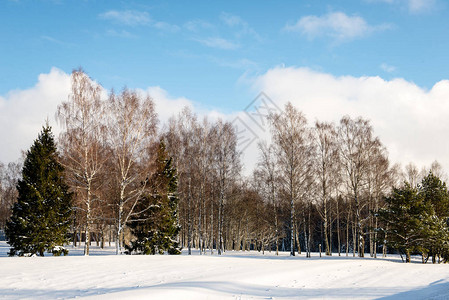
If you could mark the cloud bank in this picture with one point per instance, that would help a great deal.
(413, 6)
(336, 25)
(24, 112)
(412, 122)
(127, 17)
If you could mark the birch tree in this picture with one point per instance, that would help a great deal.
(9, 177)
(132, 127)
(355, 137)
(291, 138)
(379, 182)
(326, 167)
(183, 146)
(82, 142)
(267, 172)
(227, 166)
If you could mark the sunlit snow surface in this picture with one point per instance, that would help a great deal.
(235, 275)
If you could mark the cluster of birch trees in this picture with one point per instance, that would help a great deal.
(315, 187)
(332, 176)
(9, 175)
(107, 147)
(312, 186)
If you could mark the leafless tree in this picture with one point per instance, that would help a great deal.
(326, 168)
(184, 147)
(82, 142)
(411, 174)
(291, 138)
(9, 176)
(227, 167)
(132, 124)
(268, 174)
(355, 140)
(437, 169)
(379, 183)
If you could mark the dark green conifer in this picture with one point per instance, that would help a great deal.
(416, 219)
(436, 195)
(404, 219)
(41, 217)
(155, 227)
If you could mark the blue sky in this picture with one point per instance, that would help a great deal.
(386, 60)
(206, 50)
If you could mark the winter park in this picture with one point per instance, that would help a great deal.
(153, 150)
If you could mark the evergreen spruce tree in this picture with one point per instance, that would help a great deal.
(405, 217)
(436, 196)
(41, 217)
(155, 227)
(417, 219)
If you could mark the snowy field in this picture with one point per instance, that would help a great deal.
(241, 275)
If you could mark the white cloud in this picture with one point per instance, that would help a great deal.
(134, 18)
(120, 33)
(413, 6)
(417, 6)
(217, 42)
(166, 105)
(242, 64)
(196, 25)
(209, 34)
(23, 112)
(384, 1)
(387, 68)
(165, 26)
(231, 20)
(412, 122)
(240, 26)
(336, 25)
(56, 41)
(127, 17)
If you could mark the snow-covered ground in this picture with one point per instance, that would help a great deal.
(235, 275)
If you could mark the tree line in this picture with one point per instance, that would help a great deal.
(316, 187)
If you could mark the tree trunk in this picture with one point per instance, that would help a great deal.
(330, 229)
(102, 237)
(200, 232)
(220, 224)
(212, 229)
(309, 239)
(359, 232)
(276, 232)
(88, 221)
(305, 234)
(384, 246)
(354, 239)
(338, 229)
(375, 236)
(118, 245)
(74, 237)
(407, 255)
(326, 240)
(189, 217)
(292, 237)
(347, 233)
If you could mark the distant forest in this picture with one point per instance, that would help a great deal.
(319, 187)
